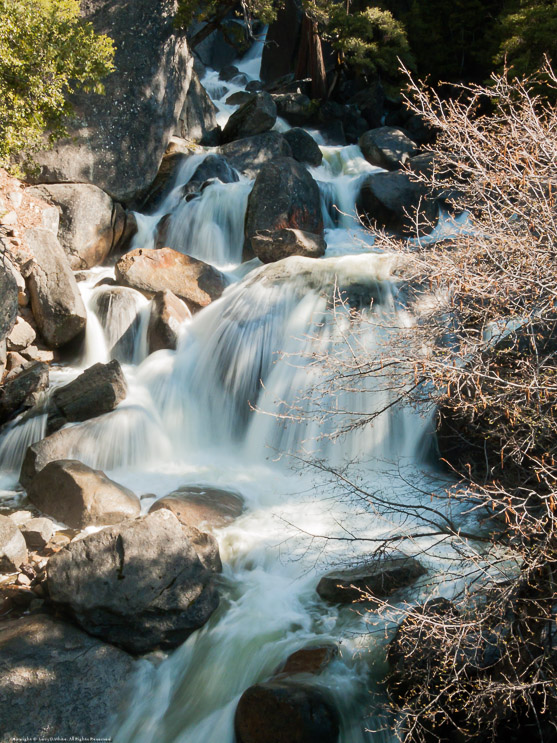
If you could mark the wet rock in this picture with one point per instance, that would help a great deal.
(13, 551)
(391, 201)
(205, 546)
(79, 496)
(254, 86)
(256, 116)
(60, 445)
(296, 108)
(248, 155)
(116, 141)
(90, 225)
(55, 299)
(21, 391)
(151, 271)
(387, 147)
(198, 120)
(304, 148)
(213, 166)
(119, 312)
(165, 177)
(204, 508)
(285, 712)
(57, 681)
(311, 660)
(228, 73)
(21, 336)
(139, 585)
(239, 98)
(167, 315)
(97, 390)
(273, 245)
(37, 533)
(380, 578)
(284, 195)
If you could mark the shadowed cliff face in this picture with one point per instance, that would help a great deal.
(117, 140)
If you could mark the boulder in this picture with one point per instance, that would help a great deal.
(280, 51)
(37, 533)
(380, 578)
(387, 147)
(203, 508)
(8, 297)
(119, 312)
(164, 180)
(273, 245)
(91, 223)
(213, 166)
(296, 108)
(205, 546)
(304, 148)
(63, 444)
(167, 314)
(248, 155)
(97, 390)
(198, 120)
(139, 585)
(79, 496)
(13, 551)
(285, 712)
(254, 86)
(55, 298)
(21, 392)
(57, 681)
(228, 73)
(239, 98)
(21, 336)
(256, 116)
(152, 271)
(284, 195)
(312, 660)
(391, 201)
(116, 141)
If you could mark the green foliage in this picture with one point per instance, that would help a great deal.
(191, 11)
(528, 32)
(46, 53)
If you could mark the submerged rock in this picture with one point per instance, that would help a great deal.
(387, 147)
(98, 390)
(256, 116)
(79, 496)
(284, 195)
(273, 245)
(167, 314)
(13, 550)
(380, 578)
(151, 271)
(139, 585)
(285, 712)
(55, 298)
(202, 507)
(57, 681)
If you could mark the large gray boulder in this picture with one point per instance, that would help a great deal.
(55, 299)
(393, 200)
(304, 147)
(22, 391)
(167, 315)
(151, 271)
(95, 391)
(284, 195)
(285, 712)
(57, 681)
(13, 550)
(117, 140)
(250, 154)
(90, 225)
(79, 496)
(256, 116)
(198, 119)
(387, 147)
(379, 577)
(139, 585)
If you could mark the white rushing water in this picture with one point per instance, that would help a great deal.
(245, 404)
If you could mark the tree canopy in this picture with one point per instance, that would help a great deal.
(46, 53)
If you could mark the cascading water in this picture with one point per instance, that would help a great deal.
(243, 388)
